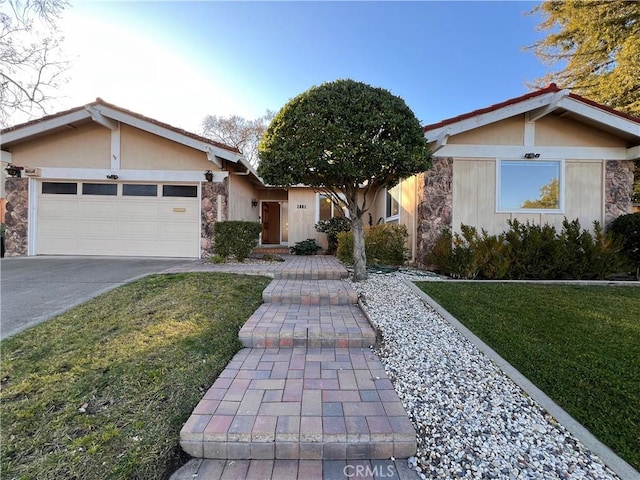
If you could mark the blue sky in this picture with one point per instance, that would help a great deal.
(178, 61)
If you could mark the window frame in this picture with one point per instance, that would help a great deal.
(87, 186)
(562, 190)
(333, 206)
(396, 217)
(54, 182)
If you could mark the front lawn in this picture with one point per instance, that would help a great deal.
(579, 344)
(102, 391)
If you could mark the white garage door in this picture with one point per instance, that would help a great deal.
(130, 219)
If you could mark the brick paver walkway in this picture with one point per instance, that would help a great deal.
(308, 399)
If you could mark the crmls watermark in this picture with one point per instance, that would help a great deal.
(369, 471)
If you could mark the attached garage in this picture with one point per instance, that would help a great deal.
(131, 219)
(102, 180)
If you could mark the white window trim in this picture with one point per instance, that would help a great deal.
(393, 218)
(333, 206)
(560, 210)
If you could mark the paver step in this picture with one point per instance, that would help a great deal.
(300, 403)
(312, 267)
(310, 292)
(275, 325)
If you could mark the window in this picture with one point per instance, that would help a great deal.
(326, 209)
(99, 189)
(179, 191)
(393, 203)
(530, 185)
(60, 188)
(136, 190)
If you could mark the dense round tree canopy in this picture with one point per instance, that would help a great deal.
(343, 134)
(347, 139)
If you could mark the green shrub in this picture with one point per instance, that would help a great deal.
(527, 251)
(627, 229)
(305, 247)
(332, 228)
(236, 238)
(345, 247)
(384, 245)
(438, 258)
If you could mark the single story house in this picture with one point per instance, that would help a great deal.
(102, 180)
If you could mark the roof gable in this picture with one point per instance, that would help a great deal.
(108, 115)
(537, 105)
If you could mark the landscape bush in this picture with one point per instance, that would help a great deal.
(236, 238)
(332, 228)
(528, 251)
(627, 229)
(305, 247)
(384, 245)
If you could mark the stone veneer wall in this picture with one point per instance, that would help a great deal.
(435, 205)
(618, 189)
(17, 216)
(209, 215)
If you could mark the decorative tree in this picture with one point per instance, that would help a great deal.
(30, 63)
(238, 132)
(596, 44)
(346, 139)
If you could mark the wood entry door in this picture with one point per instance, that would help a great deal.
(270, 223)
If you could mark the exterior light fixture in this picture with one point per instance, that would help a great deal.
(531, 155)
(254, 202)
(113, 176)
(14, 170)
(208, 175)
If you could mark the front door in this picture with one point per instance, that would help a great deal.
(270, 223)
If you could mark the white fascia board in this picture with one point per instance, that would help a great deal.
(491, 117)
(441, 141)
(553, 105)
(167, 133)
(518, 151)
(43, 126)
(602, 116)
(100, 119)
(633, 153)
(97, 174)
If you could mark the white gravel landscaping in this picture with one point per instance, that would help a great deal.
(472, 420)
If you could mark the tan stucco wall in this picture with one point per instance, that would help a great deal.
(241, 192)
(506, 132)
(474, 196)
(549, 131)
(302, 216)
(87, 146)
(141, 150)
(272, 194)
(554, 131)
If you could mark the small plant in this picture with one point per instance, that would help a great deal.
(215, 258)
(305, 247)
(332, 228)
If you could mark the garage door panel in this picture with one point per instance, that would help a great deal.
(118, 225)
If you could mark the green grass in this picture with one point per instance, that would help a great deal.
(102, 391)
(579, 344)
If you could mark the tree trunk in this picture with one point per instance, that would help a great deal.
(359, 255)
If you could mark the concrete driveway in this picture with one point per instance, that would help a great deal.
(34, 289)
